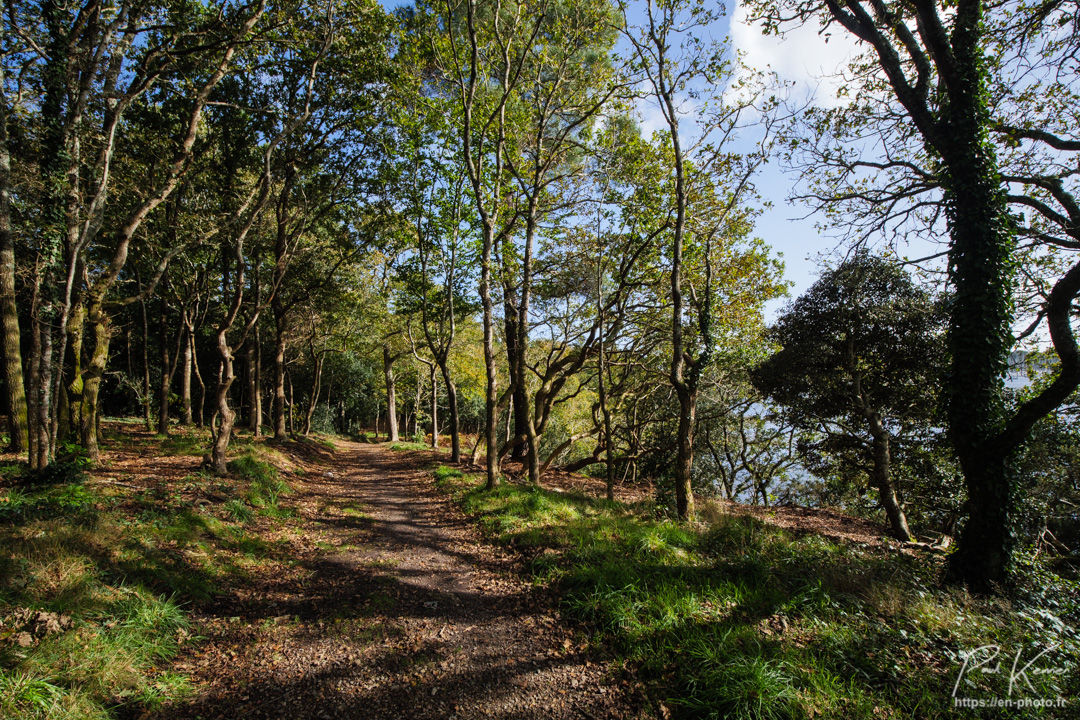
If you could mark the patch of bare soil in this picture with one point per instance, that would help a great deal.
(384, 602)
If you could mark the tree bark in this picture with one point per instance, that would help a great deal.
(455, 421)
(45, 369)
(256, 391)
(278, 409)
(166, 374)
(391, 395)
(185, 379)
(201, 417)
(147, 396)
(34, 370)
(252, 384)
(883, 481)
(433, 379)
(519, 401)
(18, 412)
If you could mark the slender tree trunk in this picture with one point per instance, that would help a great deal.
(18, 411)
(455, 421)
(391, 396)
(225, 414)
(256, 392)
(35, 396)
(166, 375)
(491, 417)
(292, 407)
(605, 411)
(147, 416)
(684, 461)
(434, 406)
(69, 383)
(185, 380)
(883, 480)
(416, 404)
(278, 409)
(252, 384)
(45, 366)
(201, 417)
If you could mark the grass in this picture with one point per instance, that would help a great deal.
(94, 580)
(408, 446)
(265, 485)
(739, 619)
(185, 441)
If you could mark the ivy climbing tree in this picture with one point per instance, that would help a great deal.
(935, 84)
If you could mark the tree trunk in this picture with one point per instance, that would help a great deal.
(100, 334)
(18, 411)
(605, 411)
(201, 417)
(980, 335)
(455, 422)
(34, 396)
(147, 415)
(883, 481)
(226, 416)
(684, 462)
(278, 409)
(391, 396)
(491, 418)
(434, 406)
(44, 441)
(256, 391)
(166, 375)
(520, 400)
(292, 407)
(416, 404)
(252, 384)
(69, 383)
(185, 380)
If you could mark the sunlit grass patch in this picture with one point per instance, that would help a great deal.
(93, 579)
(80, 632)
(185, 441)
(265, 485)
(739, 618)
(407, 446)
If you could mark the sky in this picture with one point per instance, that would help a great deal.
(804, 58)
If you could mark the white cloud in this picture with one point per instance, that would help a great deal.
(801, 55)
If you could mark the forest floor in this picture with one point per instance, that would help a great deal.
(392, 606)
(327, 578)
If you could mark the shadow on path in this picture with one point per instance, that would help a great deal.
(393, 608)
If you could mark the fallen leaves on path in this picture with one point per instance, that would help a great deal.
(382, 601)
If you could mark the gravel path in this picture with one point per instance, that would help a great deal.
(387, 604)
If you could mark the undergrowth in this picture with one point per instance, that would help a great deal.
(407, 446)
(265, 486)
(94, 579)
(737, 618)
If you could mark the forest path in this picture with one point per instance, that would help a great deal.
(388, 604)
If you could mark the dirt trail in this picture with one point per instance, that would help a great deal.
(392, 608)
